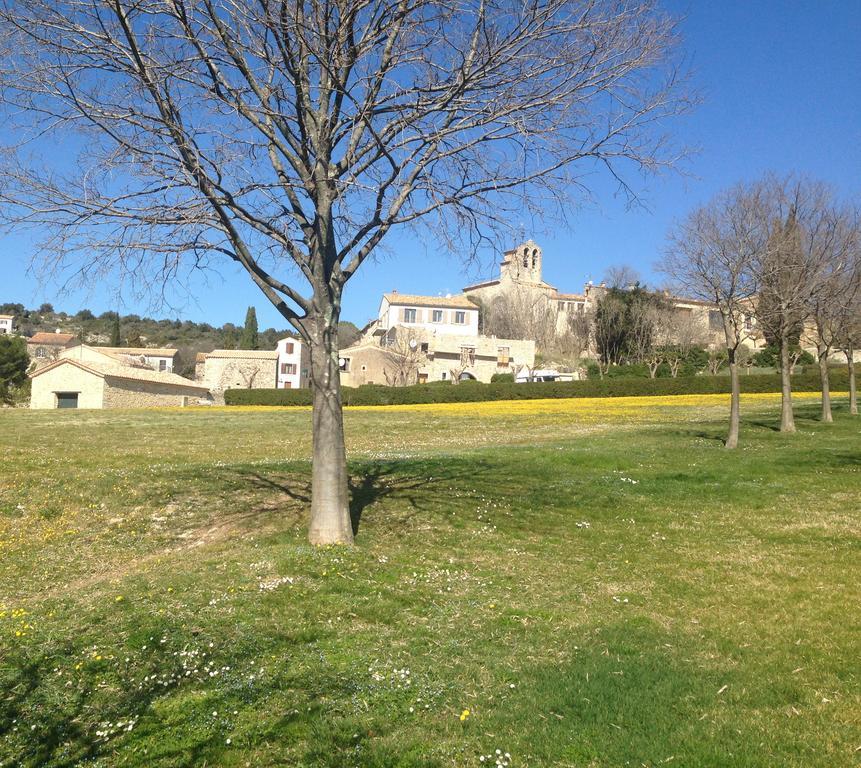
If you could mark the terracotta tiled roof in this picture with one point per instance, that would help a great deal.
(107, 370)
(485, 284)
(247, 354)
(63, 339)
(447, 302)
(148, 351)
(7, 317)
(569, 296)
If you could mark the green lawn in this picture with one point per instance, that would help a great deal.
(597, 586)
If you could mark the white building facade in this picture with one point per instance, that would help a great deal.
(455, 315)
(7, 323)
(292, 364)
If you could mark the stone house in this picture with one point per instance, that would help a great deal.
(238, 369)
(455, 315)
(70, 383)
(44, 348)
(409, 355)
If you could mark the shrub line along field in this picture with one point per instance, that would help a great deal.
(473, 391)
(569, 582)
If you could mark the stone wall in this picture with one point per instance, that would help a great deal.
(222, 373)
(124, 393)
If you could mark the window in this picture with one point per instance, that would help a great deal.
(443, 376)
(715, 320)
(748, 323)
(502, 356)
(288, 348)
(467, 355)
(162, 365)
(67, 399)
(437, 316)
(460, 318)
(409, 315)
(288, 369)
(344, 364)
(41, 352)
(424, 347)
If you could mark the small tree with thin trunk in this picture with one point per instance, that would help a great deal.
(791, 268)
(835, 295)
(291, 137)
(710, 256)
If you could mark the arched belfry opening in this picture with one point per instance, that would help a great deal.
(523, 263)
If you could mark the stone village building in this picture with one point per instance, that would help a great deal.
(7, 323)
(71, 383)
(417, 339)
(445, 331)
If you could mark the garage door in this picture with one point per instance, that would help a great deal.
(67, 399)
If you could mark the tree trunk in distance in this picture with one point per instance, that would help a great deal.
(734, 403)
(826, 385)
(787, 421)
(853, 393)
(330, 507)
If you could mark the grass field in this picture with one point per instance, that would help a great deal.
(570, 582)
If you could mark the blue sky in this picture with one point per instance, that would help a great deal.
(781, 91)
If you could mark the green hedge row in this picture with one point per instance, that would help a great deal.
(375, 394)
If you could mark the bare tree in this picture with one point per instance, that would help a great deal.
(837, 287)
(291, 137)
(849, 342)
(404, 356)
(682, 333)
(622, 276)
(522, 313)
(805, 231)
(711, 257)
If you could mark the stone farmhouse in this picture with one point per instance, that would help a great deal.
(417, 339)
(93, 383)
(44, 348)
(285, 367)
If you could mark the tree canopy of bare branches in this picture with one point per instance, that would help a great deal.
(292, 136)
(711, 256)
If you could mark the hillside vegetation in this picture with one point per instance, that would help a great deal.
(571, 582)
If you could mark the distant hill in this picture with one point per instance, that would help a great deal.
(184, 335)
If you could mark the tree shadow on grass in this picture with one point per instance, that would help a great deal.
(418, 484)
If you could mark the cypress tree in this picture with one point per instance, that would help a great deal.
(250, 338)
(115, 332)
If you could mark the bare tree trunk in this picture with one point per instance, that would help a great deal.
(330, 509)
(853, 393)
(787, 421)
(822, 354)
(734, 402)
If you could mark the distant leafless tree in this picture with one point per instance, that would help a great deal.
(621, 276)
(832, 303)
(522, 313)
(849, 341)
(806, 233)
(711, 256)
(403, 357)
(292, 137)
(682, 333)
